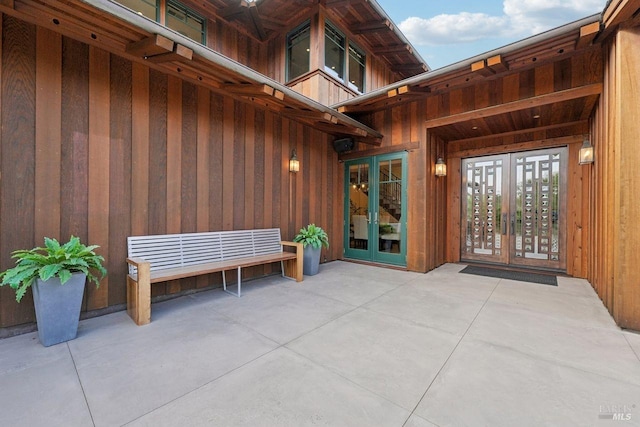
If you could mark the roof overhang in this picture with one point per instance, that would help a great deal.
(568, 109)
(117, 29)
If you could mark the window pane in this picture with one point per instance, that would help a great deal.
(298, 46)
(186, 22)
(146, 8)
(334, 51)
(357, 62)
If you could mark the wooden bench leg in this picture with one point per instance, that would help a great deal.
(139, 297)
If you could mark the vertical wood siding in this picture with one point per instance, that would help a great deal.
(615, 182)
(98, 147)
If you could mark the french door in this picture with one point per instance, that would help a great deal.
(513, 209)
(375, 209)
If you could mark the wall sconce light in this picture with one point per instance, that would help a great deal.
(441, 167)
(294, 163)
(586, 153)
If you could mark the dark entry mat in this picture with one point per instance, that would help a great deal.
(521, 276)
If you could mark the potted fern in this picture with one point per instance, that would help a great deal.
(313, 238)
(57, 274)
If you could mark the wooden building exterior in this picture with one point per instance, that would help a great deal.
(114, 125)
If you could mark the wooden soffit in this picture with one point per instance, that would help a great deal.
(569, 108)
(109, 26)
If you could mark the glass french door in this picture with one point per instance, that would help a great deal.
(513, 209)
(375, 209)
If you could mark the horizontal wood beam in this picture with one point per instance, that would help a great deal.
(408, 90)
(481, 68)
(587, 34)
(372, 27)
(537, 101)
(407, 146)
(251, 89)
(179, 53)
(398, 48)
(521, 131)
(151, 46)
(521, 146)
(496, 64)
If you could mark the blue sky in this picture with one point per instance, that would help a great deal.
(445, 32)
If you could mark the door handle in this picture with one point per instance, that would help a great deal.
(513, 223)
(369, 217)
(375, 216)
(504, 223)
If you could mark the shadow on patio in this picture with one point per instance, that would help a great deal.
(353, 346)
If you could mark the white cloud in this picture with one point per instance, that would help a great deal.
(520, 19)
(451, 29)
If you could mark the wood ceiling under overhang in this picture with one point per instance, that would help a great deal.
(116, 29)
(265, 19)
(567, 109)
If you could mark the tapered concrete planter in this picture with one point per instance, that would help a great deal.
(58, 308)
(311, 258)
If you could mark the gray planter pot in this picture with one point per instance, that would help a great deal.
(311, 262)
(58, 308)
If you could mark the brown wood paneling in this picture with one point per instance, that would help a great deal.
(120, 176)
(627, 233)
(189, 168)
(99, 162)
(75, 140)
(140, 134)
(17, 156)
(228, 164)
(216, 162)
(237, 145)
(157, 179)
(144, 153)
(48, 133)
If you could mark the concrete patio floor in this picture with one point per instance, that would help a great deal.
(354, 345)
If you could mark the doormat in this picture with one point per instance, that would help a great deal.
(521, 276)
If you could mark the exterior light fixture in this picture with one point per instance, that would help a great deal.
(441, 167)
(294, 163)
(586, 153)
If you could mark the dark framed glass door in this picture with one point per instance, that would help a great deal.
(375, 209)
(513, 209)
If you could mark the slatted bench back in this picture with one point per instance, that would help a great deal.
(179, 250)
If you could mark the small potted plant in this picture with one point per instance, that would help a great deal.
(313, 238)
(57, 274)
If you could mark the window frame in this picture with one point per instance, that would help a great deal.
(353, 46)
(306, 25)
(189, 12)
(348, 45)
(340, 75)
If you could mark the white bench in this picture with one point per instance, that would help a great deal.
(160, 258)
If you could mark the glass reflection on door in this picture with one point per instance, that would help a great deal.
(359, 215)
(484, 210)
(389, 212)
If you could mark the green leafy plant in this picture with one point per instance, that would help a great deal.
(54, 260)
(312, 235)
(386, 229)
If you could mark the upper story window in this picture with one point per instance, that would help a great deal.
(298, 51)
(334, 47)
(348, 68)
(178, 17)
(186, 21)
(357, 63)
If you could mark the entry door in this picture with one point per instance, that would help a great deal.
(513, 209)
(375, 209)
